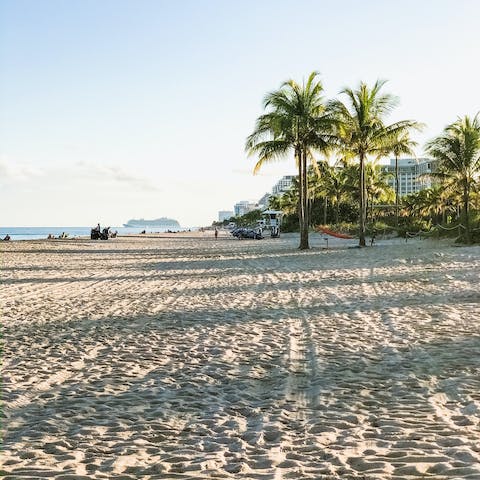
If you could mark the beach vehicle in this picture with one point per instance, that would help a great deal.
(243, 232)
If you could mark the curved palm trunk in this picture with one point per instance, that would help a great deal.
(397, 191)
(303, 218)
(363, 204)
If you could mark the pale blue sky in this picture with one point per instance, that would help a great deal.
(115, 109)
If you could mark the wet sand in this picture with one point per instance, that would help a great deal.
(186, 357)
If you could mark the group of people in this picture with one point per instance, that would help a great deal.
(102, 234)
(52, 237)
(96, 232)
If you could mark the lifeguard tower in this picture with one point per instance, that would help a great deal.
(272, 220)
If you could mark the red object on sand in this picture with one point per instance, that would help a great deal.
(333, 234)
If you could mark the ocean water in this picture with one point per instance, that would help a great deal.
(35, 233)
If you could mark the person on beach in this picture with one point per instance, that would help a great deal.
(7, 238)
(216, 233)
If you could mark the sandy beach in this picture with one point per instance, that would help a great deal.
(190, 358)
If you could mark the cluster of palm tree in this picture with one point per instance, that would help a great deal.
(333, 192)
(299, 121)
(454, 197)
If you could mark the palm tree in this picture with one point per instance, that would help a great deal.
(289, 199)
(361, 131)
(457, 150)
(274, 202)
(334, 184)
(376, 185)
(297, 121)
(403, 146)
(315, 185)
(430, 203)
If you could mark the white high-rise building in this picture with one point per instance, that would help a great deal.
(412, 174)
(224, 215)
(263, 202)
(243, 207)
(283, 185)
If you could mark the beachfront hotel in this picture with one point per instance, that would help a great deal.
(283, 185)
(245, 206)
(412, 174)
(224, 215)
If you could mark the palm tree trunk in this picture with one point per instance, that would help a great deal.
(363, 203)
(310, 210)
(397, 191)
(337, 209)
(303, 207)
(466, 201)
(300, 191)
(325, 205)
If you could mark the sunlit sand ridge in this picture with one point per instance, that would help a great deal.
(195, 358)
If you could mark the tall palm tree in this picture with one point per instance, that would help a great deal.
(296, 121)
(458, 151)
(362, 131)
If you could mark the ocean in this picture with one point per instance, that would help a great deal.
(35, 233)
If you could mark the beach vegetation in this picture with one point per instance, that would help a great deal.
(457, 150)
(345, 183)
(333, 185)
(296, 123)
(248, 219)
(362, 132)
(402, 145)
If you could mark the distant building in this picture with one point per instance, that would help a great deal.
(224, 215)
(263, 202)
(283, 185)
(410, 171)
(243, 207)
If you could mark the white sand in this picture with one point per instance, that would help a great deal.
(193, 358)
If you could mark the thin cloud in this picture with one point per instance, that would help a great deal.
(114, 174)
(15, 173)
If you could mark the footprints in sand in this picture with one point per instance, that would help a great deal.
(197, 359)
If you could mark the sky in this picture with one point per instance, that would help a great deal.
(120, 109)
